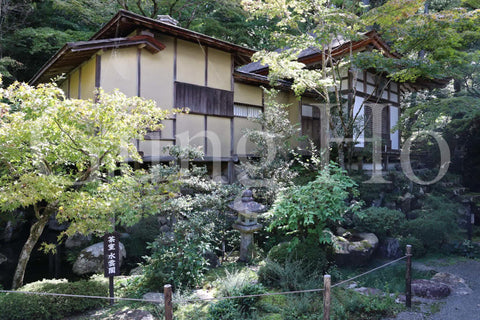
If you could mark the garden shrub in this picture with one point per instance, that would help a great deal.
(418, 248)
(383, 222)
(309, 252)
(309, 209)
(436, 224)
(465, 248)
(225, 310)
(145, 231)
(290, 275)
(305, 306)
(176, 261)
(18, 306)
(349, 305)
(202, 223)
(237, 283)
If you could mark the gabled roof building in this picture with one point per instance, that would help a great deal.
(179, 68)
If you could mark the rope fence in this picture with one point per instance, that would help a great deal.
(168, 290)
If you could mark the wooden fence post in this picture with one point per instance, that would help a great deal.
(167, 293)
(326, 296)
(408, 278)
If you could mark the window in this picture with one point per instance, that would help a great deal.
(246, 111)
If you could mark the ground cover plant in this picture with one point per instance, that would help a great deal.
(18, 306)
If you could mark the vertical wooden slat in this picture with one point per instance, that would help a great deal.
(205, 141)
(204, 100)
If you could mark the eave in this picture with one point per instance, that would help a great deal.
(261, 80)
(74, 54)
(371, 38)
(126, 22)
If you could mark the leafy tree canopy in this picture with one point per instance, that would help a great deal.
(59, 157)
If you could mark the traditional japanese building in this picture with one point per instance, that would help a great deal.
(214, 79)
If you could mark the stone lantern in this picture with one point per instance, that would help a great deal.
(246, 223)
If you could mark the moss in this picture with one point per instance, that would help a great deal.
(365, 244)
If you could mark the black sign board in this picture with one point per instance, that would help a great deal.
(111, 255)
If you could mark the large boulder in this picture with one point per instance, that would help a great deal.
(354, 250)
(53, 224)
(457, 285)
(14, 230)
(429, 289)
(90, 259)
(406, 202)
(390, 248)
(77, 240)
(154, 296)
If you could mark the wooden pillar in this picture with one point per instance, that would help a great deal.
(326, 296)
(167, 293)
(408, 278)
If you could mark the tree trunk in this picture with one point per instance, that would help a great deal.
(35, 232)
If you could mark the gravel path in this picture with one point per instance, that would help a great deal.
(454, 307)
(465, 307)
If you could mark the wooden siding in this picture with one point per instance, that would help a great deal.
(204, 100)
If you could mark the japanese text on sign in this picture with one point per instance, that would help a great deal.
(111, 255)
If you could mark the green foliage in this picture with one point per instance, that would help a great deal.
(271, 168)
(176, 260)
(238, 283)
(145, 231)
(309, 252)
(348, 305)
(8, 66)
(290, 275)
(222, 19)
(224, 309)
(436, 224)
(390, 279)
(466, 248)
(58, 155)
(304, 210)
(235, 284)
(383, 222)
(18, 306)
(202, 223)
(418, 248)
